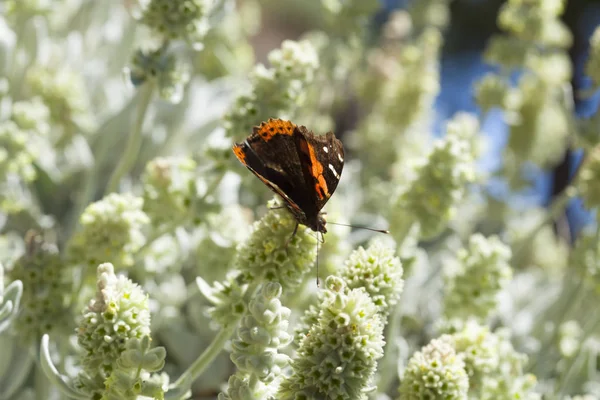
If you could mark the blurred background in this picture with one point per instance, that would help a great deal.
(462, 64)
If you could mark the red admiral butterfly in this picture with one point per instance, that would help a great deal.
(301, 167)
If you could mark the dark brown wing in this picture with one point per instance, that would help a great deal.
(270, 153)
(322, 160)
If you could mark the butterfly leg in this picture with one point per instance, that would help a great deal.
(287, 242)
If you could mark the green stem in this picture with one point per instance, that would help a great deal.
(185, 381)
(134, 143)
(202, 362)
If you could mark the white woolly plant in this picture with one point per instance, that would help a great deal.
(146, 277)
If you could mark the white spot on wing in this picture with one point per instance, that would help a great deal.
(334, 171)
(325, 149)
(340, 158)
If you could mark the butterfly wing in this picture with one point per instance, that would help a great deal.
(270, 153)
(322, 162)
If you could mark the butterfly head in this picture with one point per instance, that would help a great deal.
(318, 225)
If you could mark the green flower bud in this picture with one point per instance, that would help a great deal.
(118, 314)
(275, 91)
(169, 189)
(178, 19)
(378, 272)
(162, 70)
(32, 116)
(46, 290)
(536, 21)
(65, 94)
(439, 183)
(495, 369)
(435, 372)
(472, 283)
(111, 231)
(271, 254)
(338, 356)
(16, 155)
(256, 350)
(227, 298)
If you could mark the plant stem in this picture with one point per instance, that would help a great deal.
(212, 351)
(134, 143)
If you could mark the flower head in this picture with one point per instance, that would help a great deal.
(435, 372)
(260, 337)
(46, 290)
(378, 271)
(439, 183)
(111, 231)
(338, 356)
(494, 367)
(178, 19)
(169, 189)
(118, 314)
(277, 90)
(162, 69)
(479, 274)
(272, 254)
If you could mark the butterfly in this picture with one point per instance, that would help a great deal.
(304, 169)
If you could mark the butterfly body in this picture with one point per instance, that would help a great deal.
(304, 169)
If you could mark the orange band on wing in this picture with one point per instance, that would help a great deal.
(273, 127)
(239, 153)
(317, 173)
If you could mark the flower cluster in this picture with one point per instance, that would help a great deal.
(46, 294)
(271, 253)
(495, 369)
(435, 372)
(22, 138)
(178, 19)
(255, 351)
(161, 69)
(111, 231)
(226, 298)
(535, 39)
(474, 280)
(277, 90)
(169, 189)
(64, 92)
(438, 184)
(118, 314)
(378, 271)
(338, 356)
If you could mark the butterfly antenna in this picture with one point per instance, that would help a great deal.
(361, 227)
